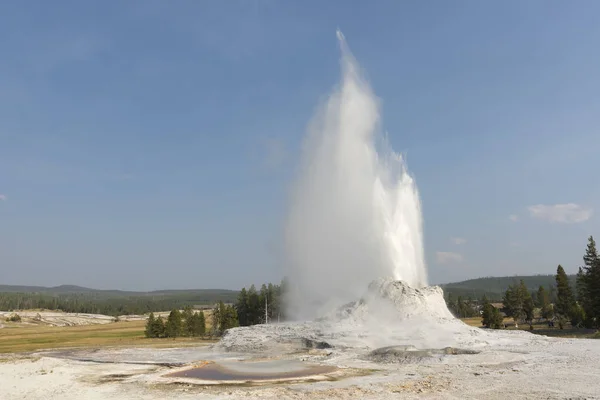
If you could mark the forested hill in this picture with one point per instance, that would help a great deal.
(494, 287)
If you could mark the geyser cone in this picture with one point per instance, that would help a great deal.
(355, 213)
(389, 301)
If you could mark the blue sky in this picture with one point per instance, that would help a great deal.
(151, 144)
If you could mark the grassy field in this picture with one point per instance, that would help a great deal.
(476, 321)
(15, 338)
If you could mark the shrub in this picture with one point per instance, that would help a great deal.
(14, 318)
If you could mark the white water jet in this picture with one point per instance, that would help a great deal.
(355, 214)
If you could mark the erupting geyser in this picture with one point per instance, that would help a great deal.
(355, 214)
(354, 244)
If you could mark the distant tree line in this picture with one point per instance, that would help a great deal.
(107, 304)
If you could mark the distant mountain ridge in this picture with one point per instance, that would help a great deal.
(74, 289)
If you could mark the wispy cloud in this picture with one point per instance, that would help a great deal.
(569, 213)
(3, 197)
(459, 240)
(513, 217)
(448, 257)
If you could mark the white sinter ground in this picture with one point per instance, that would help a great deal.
(59, 318)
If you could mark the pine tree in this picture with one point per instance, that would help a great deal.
(173, 327)
(590, 280)
(254, 306)
(241, 307)
(528, 306)
(491, 317)
(565, 300)
(514, 301)
(232, 318)
(158, 329)
(591, 254)
(200, 326)
(507, 301)
(263, 299)
(149, 331)
(188, 321)
(580, 286)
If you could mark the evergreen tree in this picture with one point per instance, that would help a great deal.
(565, 300)
(514, 302)
(232, 318)
(254, 307)
(528, 306)
(581, 286)
(149, 331)
(200, 325)
(188, 321)
(263, 299)
(173, 327)
(591, 254)
(158, 329)
(241, 307)
(491, 317)
(590, 280)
